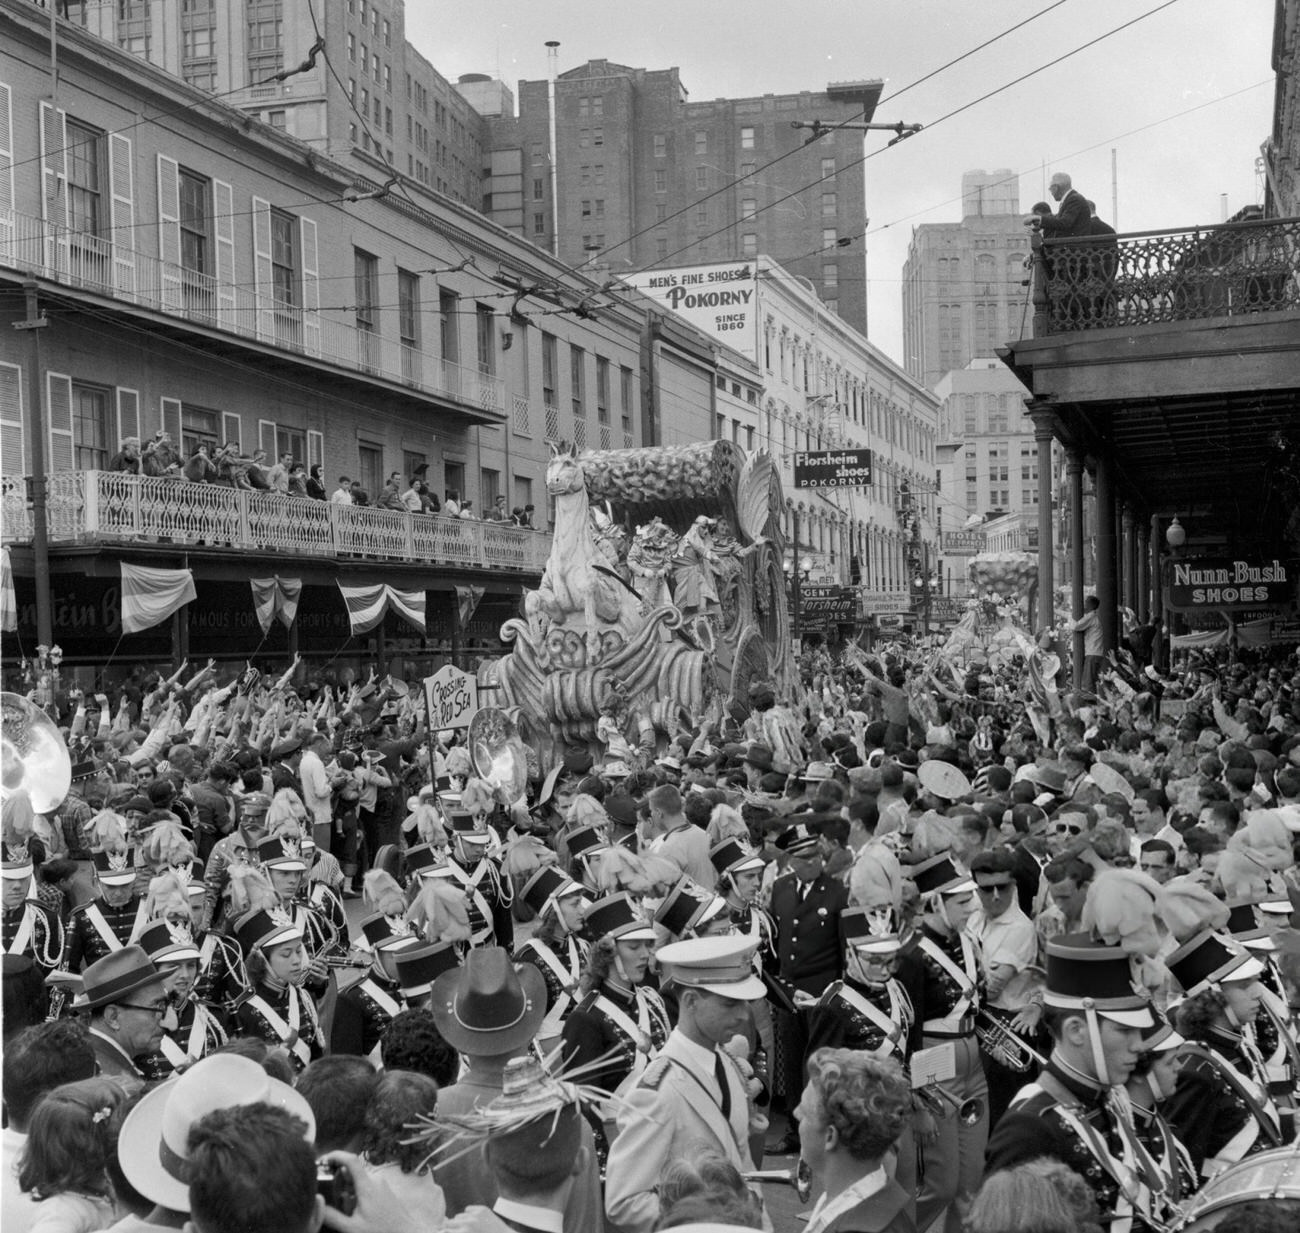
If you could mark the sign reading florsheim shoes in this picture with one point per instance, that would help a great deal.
(1216, 582)
(833, 469)
(829, 605)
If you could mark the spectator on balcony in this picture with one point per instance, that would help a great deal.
(390, 495)
(517, 515)
(498, 511)
(342, 495)
(1072, 217)
(1105, 265)
(199, 468)
(297, 480)
(277, 478)
(359, 495)
(315, 485)
(465, 510)
(452, 505)
(159, 459)
(259, 475)
(127, 458)
(429, 499)
(527, 520)
(413, 498)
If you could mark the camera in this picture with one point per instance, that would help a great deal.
(334, 1185)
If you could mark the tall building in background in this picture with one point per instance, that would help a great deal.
(383, 106)
(645, 177)
(964, 284)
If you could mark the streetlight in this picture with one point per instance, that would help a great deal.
(1175, 536)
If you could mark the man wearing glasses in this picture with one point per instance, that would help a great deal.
(1009, 945)
(126, 999)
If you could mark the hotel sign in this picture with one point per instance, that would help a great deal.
(1202, 583)
(964, 543)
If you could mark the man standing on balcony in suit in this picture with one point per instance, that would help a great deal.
(1072, 218)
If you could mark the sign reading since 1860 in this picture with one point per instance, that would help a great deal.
(721, 300)
(1207, 583)
(452, 698)
(833, 469)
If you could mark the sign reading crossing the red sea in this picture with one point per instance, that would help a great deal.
(1201, 583)
(833, 469)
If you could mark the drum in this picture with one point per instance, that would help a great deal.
(1272, 1176)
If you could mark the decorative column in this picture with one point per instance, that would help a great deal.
(1128, 525)
(1074, 469)
(1158, 656)
(1107, 579)
(1143, 572)
(1044, 426)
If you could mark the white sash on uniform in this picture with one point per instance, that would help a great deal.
(388, 1004)
(554, 1020)
(25, 929)
(301, 1050)
(638, 1033)
(966, 980)
(895, 1031)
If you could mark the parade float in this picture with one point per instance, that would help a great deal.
(662, 601)
(992, 627)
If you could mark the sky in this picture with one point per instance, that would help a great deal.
(1184, 97)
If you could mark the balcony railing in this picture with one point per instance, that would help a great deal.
(112, 269)
(109, 506)
(1153, 276)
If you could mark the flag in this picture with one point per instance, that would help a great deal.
(8, 600)
(276, 597)
(467, 599)
(367, 605)
(150, 596)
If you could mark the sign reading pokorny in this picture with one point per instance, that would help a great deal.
(1213, 582)
(833, 469)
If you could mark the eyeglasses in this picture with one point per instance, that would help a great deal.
(1067, 828)
(153, 1008)
(996, 888)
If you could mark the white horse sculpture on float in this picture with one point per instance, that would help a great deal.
(579, 589)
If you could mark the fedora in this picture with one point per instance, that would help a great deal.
(153, 1148)
(489, 1006)
(116, 976)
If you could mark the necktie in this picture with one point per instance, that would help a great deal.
(720, 1073)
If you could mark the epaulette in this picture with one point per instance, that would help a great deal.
(653, 1075)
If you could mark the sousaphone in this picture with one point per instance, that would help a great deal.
(33, 757)
(498, 753)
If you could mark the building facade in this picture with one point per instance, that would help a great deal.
(227, 284)
(965, 290)
(644, 177)
(367, 93)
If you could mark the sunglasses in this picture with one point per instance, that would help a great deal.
(996, 888)
(1067, 828)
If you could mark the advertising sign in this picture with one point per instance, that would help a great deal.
(721, 300)
(833, 469)
(828, 605)
(451, 697)
(1216, 582)
(876, 603)
(964, 543)
(947, 607)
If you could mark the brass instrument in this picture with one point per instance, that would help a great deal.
(33, 756)
(800, 1177)
(498, 753)
(1003, 1045)
(944, 1104)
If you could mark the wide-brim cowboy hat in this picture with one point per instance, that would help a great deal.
(489, 1006)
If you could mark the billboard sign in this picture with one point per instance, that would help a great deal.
(833, 469)
(721, 300)
(876, 603)
(1201, 583)
(828, 605)
(964, 543)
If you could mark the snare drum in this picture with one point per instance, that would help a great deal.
(1272, 1175)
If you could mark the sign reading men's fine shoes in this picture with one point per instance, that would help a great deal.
(833, 469)
(1213, 582)
(452, 698)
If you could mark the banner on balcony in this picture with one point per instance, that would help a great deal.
(467, 601)
(8, 600)
(367, 605)
(150, 596)
(276, 597)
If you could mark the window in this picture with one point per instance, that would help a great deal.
(577, 379)
(284, 258)
(352, 48)
(602, 389)
(290, 441)
(598, 173)
(828, 237)
(523, 492)
(388, 78)
(661, 248)
(597, 137)
(539, 224)
(366, 280)
(550, 393)
(828, 205)
(701, 214)
(701, 143)
(535, 153)
(661, 180)
(277, 119)
(92, 440)
(449, 339)
(538, 189)
(747, 170)
(598, 106)
(661, 212)
(746, 138)
(374, 66)
(484, 321)
(828, 168)
(408, 309)
(585, 208)
(830, 274)
(370, 468)
(748, 208)
(701, 178)
(265, 38)
(388, 33)
(196, 43)
(489, 487)
(199, 425)
(85, 186)
(388, 121)
(749, 244)
(195, 223)
(660, 145)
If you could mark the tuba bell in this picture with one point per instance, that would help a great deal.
(800, 1177)
(498, 753)
(944, 1104)
(33, 757)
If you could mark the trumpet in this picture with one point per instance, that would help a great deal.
(1003, 1045)
(943, 1104)
(800, 1177)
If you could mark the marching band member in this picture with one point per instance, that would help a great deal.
(487, 893)
(1220, 1108)
(620, 1023)
(117, 914)
(1149, 1087)
(419, 966)
(191, 1028)
(691, 911)
(1077, 1110)
(585, 845)
(29, 927)
(283, 864)
(556, 949)
(940, 968)
(276, 1007)
(440, 911)
(364, 1010)
(219, 975)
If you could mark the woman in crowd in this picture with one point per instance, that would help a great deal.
(400, 1099)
